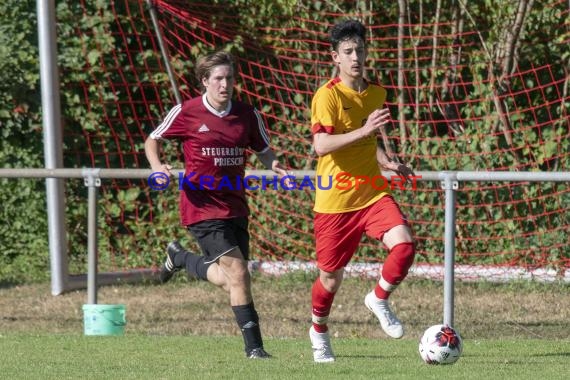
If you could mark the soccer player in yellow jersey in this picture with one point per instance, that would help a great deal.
(346, 115)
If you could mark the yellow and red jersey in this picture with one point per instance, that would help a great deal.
(338, 109)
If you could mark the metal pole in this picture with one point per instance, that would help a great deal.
(53, 156)
(450, 185)
(164, 51)
(460, 176)
(92, 181)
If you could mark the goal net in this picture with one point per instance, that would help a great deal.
(466, 92)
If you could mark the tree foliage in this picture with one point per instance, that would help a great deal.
(23, 238)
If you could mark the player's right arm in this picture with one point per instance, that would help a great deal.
(168, 128)
(152, 152)
(325, 143)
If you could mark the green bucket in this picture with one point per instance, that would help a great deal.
(104, 319)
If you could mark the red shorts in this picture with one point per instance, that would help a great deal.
(338, 235)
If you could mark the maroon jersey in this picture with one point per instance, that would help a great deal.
(214, 146)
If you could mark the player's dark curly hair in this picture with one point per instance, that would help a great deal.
(347, 30)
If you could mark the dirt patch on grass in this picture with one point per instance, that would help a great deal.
(185, 307)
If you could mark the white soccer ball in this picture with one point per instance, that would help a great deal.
(440, 344)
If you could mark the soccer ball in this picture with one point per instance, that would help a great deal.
(440, 344)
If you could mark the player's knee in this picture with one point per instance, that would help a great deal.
(239, 275)
(331, 281)
(397, 235)
(235, 270)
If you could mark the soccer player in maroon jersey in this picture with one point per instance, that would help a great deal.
(215, 132)
(346, 114)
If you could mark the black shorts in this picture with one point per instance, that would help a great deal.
(218, 237)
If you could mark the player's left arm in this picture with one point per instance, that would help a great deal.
(270, 161)
(386, 163)
(261, 145)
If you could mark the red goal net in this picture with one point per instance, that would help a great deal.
(461, 98)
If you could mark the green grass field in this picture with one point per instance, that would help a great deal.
(185, 330)
(175, 357)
